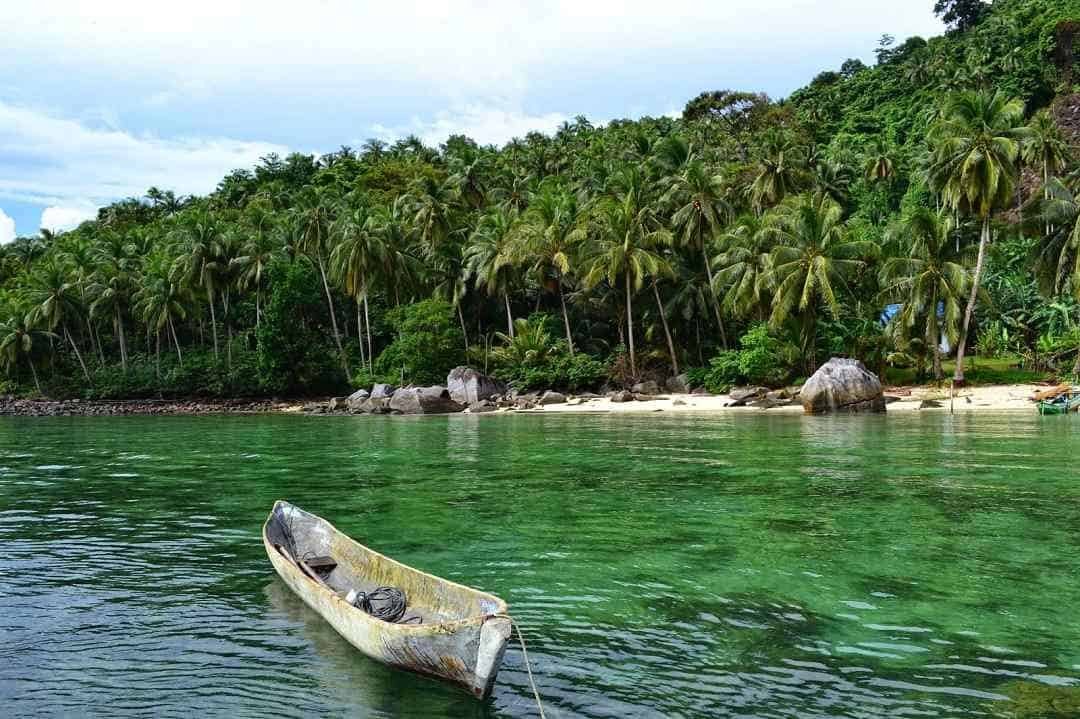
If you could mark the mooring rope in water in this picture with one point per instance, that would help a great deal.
(528, 666)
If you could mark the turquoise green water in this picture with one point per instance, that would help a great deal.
(920, 566)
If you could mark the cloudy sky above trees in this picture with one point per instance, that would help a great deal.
(100, 101)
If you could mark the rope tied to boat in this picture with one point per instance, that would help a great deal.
(528, 664)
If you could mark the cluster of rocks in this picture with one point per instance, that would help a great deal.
(470, 391)
(106, 408)
(840, 385)
(762, 397)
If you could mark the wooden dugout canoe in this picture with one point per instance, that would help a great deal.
(463, 633)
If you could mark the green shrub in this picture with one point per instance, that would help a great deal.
(723, 372)
(533, 359)
(428, 344)
(763, 360)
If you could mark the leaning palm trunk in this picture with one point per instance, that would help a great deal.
(213, 324)
(933, 337)
(333, 318)
(630, 326)
(565, 317)
(360, 334)
(509, 315)
(961, 347)
(78, 354)
(367, 325)
(33, 371)
(120, 336)
(464, 329)
(667, 330)
(176, 341)
(715, 301)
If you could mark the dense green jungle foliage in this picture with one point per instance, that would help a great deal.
(746, 241)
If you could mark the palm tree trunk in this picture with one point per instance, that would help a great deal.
(157, 354)
(984, 242)
(258, 307)
(712, 294)
(176, 341)
(33, 371)
(78, 354)
(509, 315)
(213, 323)
(367, 326)
(333, 318)
(630, 326)
(461, 319)
(360, 334)
(120, 336)
(565, 316)
(667, 330)
(934, 338)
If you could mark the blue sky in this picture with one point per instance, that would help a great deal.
(102, 100)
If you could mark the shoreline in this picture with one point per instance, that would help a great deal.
(988, 398)
(994, 398)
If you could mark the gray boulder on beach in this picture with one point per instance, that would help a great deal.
(842, 385)
(648, 387)
(382, 391)
(468, 386)
(424, 400)
(552, 397)
(357, 399)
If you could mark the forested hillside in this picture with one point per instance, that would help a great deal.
(745, 241)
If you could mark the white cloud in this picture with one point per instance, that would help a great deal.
(68, 167)
(65, 218)
(487, 124)
(7, 228)
(423, 50)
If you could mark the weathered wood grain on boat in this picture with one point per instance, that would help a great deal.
(463, 633)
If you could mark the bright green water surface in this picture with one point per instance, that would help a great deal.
(752, 566)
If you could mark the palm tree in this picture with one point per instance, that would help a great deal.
(700, 211)
(55, 301)
(18, 338)
(113, 283)
(490, 257)
(781, 170)
(433, 205)
(200, 237)
(257, 251)
(973, 166)
(930, 278)
(547, 235)
(162, 300)
(396, 233)
(356, 259)
(813, 259)
(622, 238)
(880, 165)
(315, 217)
(743, 267)
(1046, 147)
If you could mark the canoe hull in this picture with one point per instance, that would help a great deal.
(465, 652)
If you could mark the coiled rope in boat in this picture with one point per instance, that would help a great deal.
(385, 603)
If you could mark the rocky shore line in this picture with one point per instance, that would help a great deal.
(11, 406)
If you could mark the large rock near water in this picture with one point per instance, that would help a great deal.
(842, 385)
(383, 391)
(424, 400)
(467, 386)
